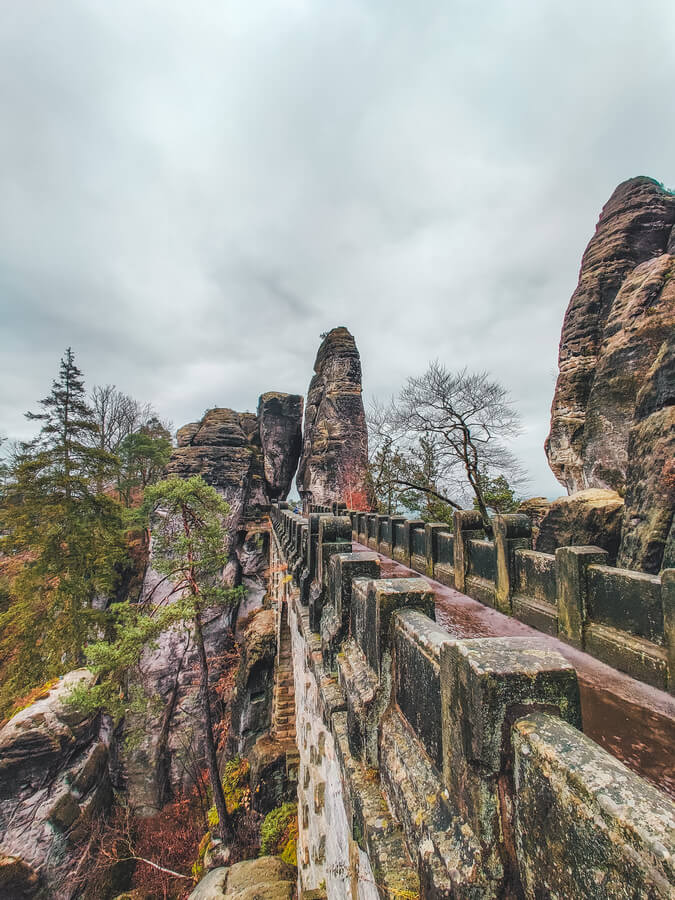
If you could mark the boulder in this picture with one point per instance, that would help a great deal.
(54, 781)
(266, 878)
(535, 508)
(586, 518)
(334, 461)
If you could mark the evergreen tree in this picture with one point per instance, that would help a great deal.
(189, 548)
(68, 536)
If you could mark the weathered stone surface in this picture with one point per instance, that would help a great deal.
(225, 449)
(18, 881)
(169, 736)
(267, 878)
(54, 780)
(617, 335)
(535, 508)
(334, 458)
(252, 699)
(587, 518)
(648, 538)
(280, 418)
(615, 324)
(608, 833)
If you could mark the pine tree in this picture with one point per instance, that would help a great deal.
(189, 548)
(68, 536)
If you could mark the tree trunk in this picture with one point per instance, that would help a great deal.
(225, 825)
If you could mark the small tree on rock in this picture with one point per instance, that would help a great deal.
(188, 548)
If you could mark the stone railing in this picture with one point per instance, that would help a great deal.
(624, 618)
(434, 767)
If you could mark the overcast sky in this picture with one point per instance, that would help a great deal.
(191, 192)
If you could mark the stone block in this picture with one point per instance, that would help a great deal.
(417, 653)
(380, 599)
(486, 684)
(572, 588)
(585, 825)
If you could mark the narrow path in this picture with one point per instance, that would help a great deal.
(631, 720)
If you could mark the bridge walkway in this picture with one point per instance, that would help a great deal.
(631, 720)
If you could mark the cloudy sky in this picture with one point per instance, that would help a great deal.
(193, 191)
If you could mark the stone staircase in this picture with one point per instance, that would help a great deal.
(283, 705)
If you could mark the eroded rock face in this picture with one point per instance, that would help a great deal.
(619, 320)
(619, 316)
(648, 538)
(586, 518)
(334, 460)
(54, 782)
(280, 420)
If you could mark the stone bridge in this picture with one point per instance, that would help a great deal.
(434, 765)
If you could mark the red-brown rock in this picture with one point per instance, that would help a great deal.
(334, 462)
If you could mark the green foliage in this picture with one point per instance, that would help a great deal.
(68, 536)
(142, 455)
(499, 496)
(189, 550)
(278, 829)
(236, 788)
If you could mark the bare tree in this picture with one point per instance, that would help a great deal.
(443, 438)
(469, 416)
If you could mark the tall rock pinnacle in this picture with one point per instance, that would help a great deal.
(334, 462)
(618, 327)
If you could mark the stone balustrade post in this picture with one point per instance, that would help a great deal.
(468, 525)
(571, 565)
(410, 525)
(343, 568)
(487, 684)
(431, 529)
(334, 536)
(511, 532)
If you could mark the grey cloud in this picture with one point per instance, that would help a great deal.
(193, 192)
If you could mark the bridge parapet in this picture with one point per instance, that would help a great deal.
(438, 767)
(622, 617)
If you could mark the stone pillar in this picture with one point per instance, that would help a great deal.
(335, 536)
(395, 520)
(378, 531)
(668, 600)
(486, 685)
(511, 532)
(431, 529)
(468, 525)
(571, 564)
(410, 526)
(343, 568)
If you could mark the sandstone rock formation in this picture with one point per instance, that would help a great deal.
(648, 533)
(536, 508)
(620, 316)
(585, 518)
(334, 460)
(54, 782)
(280, 421)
